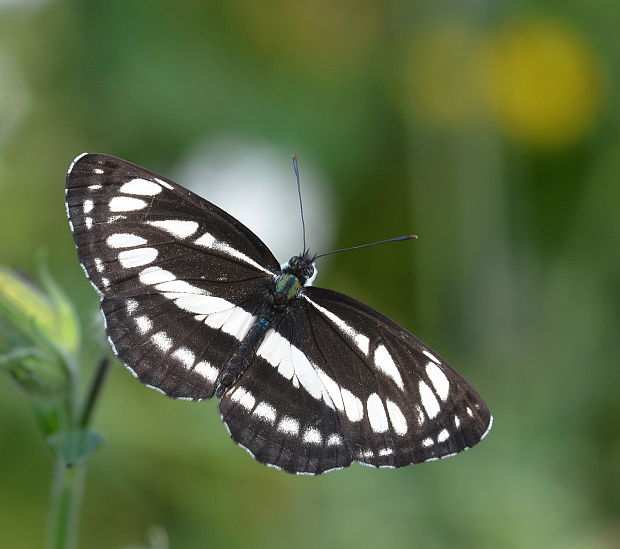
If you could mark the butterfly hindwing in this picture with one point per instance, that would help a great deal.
(361, 387)
(181, 280)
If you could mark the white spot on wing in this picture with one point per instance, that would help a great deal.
(432, 357)
(386, 452)
(180, 228)
(428, 442)
(457, 421)
(163, 342)
(312, 436)
(124, 240)
(99, 265)
(141, 187)
(207, 240)
(155, 275)
(238, 323)
(438, 379)
(420, 415)
(443, 435)
(98, 171)
(88, 221)
(376, 414)
(266, 412)
(206, 370)
(126, 204)
(184, 356)
(352, 405)
(334, 440)
(202, 304)
(306, 374)
(95, 187)
(332, 389)
(397, 419)
(216, 320)
(137, 257)
(429, 401)
(288, 425)
(292, 363)
(243, 398)
(173, 288)
(88, 206)
(161, 182)
(143, 324)
(359, 339)
(132, 306)
(385, 363)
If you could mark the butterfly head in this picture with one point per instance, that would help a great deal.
(301, 266)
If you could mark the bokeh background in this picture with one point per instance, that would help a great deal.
(488, 128)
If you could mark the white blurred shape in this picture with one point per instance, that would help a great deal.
(255, 183)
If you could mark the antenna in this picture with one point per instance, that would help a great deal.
(395, 239)
(301, 205)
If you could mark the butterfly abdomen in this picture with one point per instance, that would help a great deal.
(243, 355)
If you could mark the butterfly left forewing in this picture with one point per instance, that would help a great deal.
(181, 280)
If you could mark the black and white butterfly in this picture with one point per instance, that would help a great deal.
(196, 306)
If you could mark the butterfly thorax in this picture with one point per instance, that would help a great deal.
(293, 277)
(286, 289)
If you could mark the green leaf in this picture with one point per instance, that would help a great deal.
(67, 326)
(35, 370)
(24, 307)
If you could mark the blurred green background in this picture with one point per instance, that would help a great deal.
(490, 129)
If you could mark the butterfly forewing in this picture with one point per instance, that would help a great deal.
(178, 292)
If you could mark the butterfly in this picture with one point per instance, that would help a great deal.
(196, 306)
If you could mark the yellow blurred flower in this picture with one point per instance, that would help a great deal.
(543, 83)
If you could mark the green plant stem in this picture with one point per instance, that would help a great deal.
(65, 505)
(68, 481)
(95, 388)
